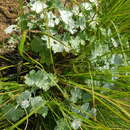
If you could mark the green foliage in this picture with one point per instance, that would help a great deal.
(78, 71)
(61, 125)
(23, 99)
(12, 113)
(40, 79)
(38, 46)
(36, 101)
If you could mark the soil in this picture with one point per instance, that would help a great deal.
(8, 14)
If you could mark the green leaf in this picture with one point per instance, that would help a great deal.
(31, 78)
(40, 47)
(12, 112)
(40, 79)
(76, 94)
(76, 124)
(24, 96)
(37, 44)
(43, 111)
(61, 125)
(36, 101)
(23, 99)
(85, 107)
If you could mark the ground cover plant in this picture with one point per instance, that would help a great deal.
(72, 67)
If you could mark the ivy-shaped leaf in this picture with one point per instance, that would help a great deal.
(40, 79)
(23, 99)
(40, 47)
(76, 124)
(61, 125)
(76, 94)
(36, 101)
(43, 111)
